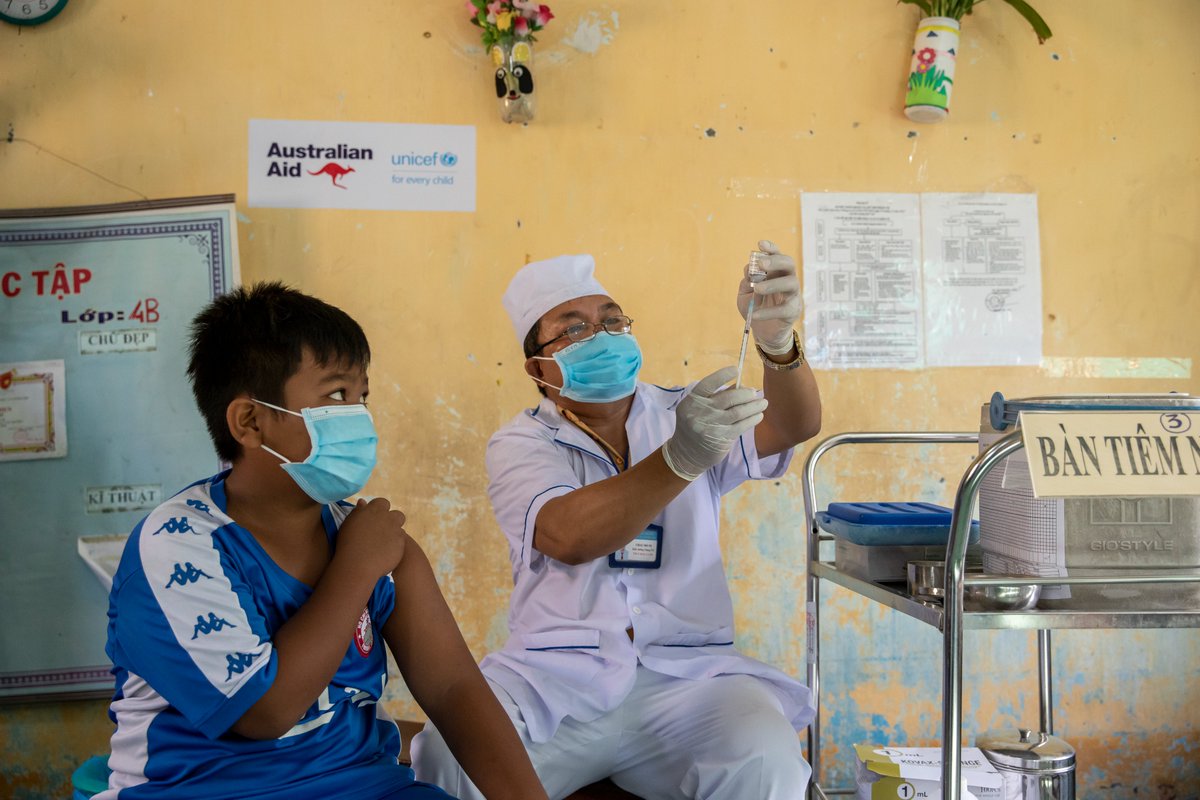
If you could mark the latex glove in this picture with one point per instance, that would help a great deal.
(707, 423)
(777, 305)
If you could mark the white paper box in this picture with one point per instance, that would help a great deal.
(915, 773)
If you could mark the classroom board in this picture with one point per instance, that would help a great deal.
(97, 421)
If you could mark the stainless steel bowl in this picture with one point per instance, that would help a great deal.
(926, 581)
(1014, 597)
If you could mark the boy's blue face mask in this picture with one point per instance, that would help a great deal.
(343, 451)
(599, 370)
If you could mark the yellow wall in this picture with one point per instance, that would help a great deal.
(1102, 122)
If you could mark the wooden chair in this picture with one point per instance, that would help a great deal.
(603, 790)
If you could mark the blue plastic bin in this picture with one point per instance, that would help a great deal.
(891, 523)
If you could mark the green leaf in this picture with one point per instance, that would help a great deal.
(1033, 18)
(921, 4)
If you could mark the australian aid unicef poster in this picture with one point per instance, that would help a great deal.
(361, 165)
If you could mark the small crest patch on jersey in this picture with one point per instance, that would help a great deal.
(364, 635)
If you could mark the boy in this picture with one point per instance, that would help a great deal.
(245, 615)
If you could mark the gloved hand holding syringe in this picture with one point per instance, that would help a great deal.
(769, 300)
(710, 418)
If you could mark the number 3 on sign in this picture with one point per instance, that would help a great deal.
(906, 791)
(1176, 423)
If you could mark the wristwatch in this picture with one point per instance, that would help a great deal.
(793, 364)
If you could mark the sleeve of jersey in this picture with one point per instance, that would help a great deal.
(743, 464)
(186, 623)
(526, 470)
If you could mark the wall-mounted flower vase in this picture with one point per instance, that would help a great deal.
(931, 75)
(507, 29)
(514, 79)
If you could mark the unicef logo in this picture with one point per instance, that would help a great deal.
(448, 159)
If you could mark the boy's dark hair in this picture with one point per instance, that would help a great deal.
(250, 341)
(531, 346)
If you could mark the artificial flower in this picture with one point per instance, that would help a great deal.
(506, 21)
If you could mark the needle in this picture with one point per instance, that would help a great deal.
(745, 340)
(756, 272)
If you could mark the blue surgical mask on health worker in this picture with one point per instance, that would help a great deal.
(599, 370)
(343, 451)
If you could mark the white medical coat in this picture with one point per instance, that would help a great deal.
(568, 653)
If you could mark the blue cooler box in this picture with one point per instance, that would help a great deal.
(875, 541)
(907, 524)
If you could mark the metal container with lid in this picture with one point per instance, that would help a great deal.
(1035, 765)
(1049, 536)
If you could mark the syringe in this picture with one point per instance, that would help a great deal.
(755, 272)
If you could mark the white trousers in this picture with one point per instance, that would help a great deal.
(721, 738)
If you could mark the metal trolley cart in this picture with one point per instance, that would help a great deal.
(950, 618)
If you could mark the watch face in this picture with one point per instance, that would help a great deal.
(29, 12)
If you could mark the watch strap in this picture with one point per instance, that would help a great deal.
(790, 365)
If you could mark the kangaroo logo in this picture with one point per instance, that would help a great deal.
(334, 171)
(237, 663)
(175, 525)
(213, 623)
(185, 574)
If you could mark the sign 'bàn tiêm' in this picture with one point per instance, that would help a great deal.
(1112, 453)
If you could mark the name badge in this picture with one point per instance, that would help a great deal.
(644, 552)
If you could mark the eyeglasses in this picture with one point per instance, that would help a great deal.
(583, 331)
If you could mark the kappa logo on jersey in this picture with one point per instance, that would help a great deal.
(175, 525)
(185, 574)
(200, 505)
(213, 623)
(364, 634)
(237, 663)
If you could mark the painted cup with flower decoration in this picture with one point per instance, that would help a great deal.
(931, 72)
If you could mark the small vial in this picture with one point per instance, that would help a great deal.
(757, 266)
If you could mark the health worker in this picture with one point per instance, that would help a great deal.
(620, 660)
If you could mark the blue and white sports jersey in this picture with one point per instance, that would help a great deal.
(195, 604)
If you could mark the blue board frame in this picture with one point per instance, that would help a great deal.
(143, 269)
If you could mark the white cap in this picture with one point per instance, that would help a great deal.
(541, 285)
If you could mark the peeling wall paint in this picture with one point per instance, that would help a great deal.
(1152, 368)
(670, 137)
(592, 31)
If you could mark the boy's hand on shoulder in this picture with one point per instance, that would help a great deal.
(373, 537)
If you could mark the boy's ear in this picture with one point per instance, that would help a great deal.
(241, 415)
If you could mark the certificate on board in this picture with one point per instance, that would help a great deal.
(95, 308)
(33, 422)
